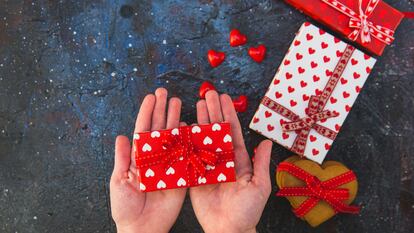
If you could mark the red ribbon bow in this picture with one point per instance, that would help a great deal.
(360, 22)
(197, 158)
(317, 190)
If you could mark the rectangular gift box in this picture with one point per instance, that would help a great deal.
(374, 21)
(315, 87)
(184, 157)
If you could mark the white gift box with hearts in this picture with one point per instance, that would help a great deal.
(314, 59)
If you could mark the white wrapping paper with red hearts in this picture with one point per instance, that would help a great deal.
(311, 59)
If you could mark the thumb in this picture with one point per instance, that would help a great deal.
(261, 163)
(122, 156)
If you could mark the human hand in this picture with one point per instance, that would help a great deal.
(133, 210)
(238, 206)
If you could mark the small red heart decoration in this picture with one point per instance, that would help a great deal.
(305, 97)
(337, 127)
(296, 43)
(301, 70)
(277, 81)
(314, 64)
(357, 89)
(240, 103)
(347, 108)
(215, 57)
(309, 37)
(333, 100)
(291, 89)
(318, 92)
(315, 152)
(354, 61)
(336, 40)
(326, 59)
(270, 127)
(293, 103)
(288, 75)
(285, 136)
(204, 88)
(338, 53)
(356, 75)
(368, 70)
(321, 32)
(303, 83)
(328, 73)
(257, 53)
(286, 62)
(315, 78)
(343, 81)
(312, 138)
(255, 120)
(327, 146)
(268, 114)
(299, 56)
(311, 51)
(237, 38)
(278, 95)
(324, 45)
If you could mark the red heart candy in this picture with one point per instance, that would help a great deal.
(237, 38)
(215, 57)
(257, 53)
(240, 103)
(204, 88)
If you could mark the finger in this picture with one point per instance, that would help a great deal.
(122, 156)
(174, 112)
(143, 122)
(261, 174)
(183, 123)
(213, 107)
(242, 161)
(202, 112)
(158, 116)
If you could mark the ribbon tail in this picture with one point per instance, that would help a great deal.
(305, 207)
(341, 207)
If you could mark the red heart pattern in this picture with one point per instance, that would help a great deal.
(215, 57)
(304, 72)
(257, 53)
(237, 38)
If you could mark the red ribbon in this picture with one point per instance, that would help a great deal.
(315, 111)
(361, 24)
(317, 190)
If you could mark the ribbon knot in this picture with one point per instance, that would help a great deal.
(198, 159)
(318, 190)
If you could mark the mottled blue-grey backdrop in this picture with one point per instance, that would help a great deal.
(73, 73)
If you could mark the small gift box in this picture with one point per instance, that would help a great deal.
(312, 93)
(316, 192)
(184, 157)
(371, 23)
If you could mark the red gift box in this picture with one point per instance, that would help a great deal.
(184, 157)
(371, 23)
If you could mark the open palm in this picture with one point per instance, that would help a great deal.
(237, 206)
(133, 210)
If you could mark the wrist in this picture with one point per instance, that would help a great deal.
(252, 230)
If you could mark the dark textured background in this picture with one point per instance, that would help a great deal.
(73, 73)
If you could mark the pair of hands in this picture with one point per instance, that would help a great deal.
(226, 207)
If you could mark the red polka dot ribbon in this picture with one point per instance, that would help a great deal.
(360, 22)
(317, 190)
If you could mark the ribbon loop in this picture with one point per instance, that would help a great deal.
(318, 190)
